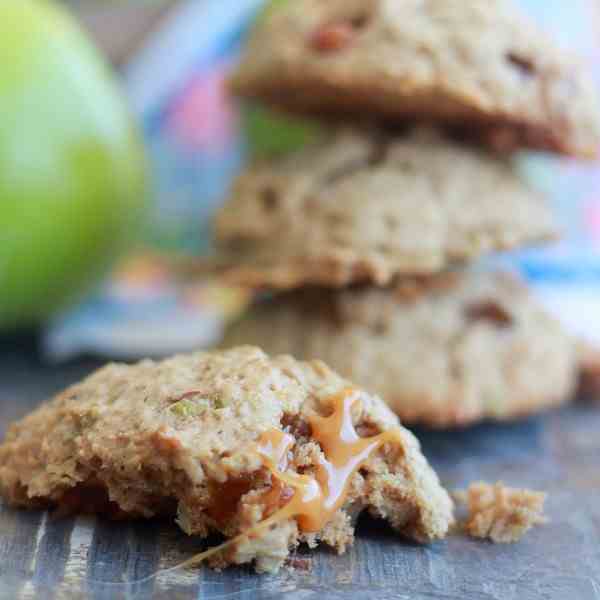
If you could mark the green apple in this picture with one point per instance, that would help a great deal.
(72, 169)
(271, 133)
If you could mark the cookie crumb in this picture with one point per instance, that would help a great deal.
(500, 513)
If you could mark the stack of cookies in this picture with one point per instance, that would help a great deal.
(365, 238)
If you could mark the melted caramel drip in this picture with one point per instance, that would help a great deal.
(314, 500)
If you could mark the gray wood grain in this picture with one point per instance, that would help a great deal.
(84, 557)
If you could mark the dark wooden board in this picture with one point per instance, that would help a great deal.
(43, 557)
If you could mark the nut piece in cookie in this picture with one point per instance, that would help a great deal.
(502, 514)
(478, 66)
(270, 452)
(361, 207)
(443, 351)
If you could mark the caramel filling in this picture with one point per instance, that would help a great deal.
(313, 499)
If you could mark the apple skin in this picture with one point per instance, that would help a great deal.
(270, 134)
(72, 168)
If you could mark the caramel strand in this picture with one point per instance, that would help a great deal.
(317, 498)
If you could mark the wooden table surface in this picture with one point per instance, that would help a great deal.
(44, 557)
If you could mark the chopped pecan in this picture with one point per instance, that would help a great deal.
(489, 311)
(333, 37)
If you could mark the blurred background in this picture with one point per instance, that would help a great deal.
(175, 140)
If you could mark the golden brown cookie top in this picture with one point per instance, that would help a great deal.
(363, 207)
(206, 403)
(477, 65)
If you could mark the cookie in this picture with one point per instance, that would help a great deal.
(363, 207)
(234, 442)
(479, 66)
(448, 351)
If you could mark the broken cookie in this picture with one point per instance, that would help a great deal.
(270, 452)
